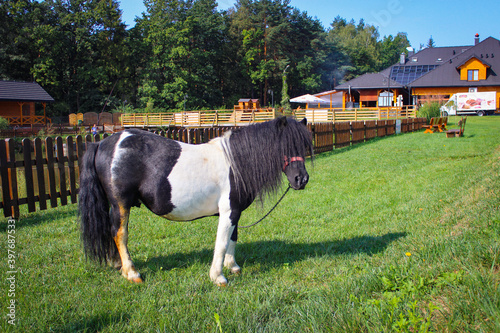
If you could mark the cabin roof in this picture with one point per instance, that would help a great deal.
(23, 92)
(487, 51)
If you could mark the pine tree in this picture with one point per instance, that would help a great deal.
(431, 43)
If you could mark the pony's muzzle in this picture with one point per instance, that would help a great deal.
(300, 181)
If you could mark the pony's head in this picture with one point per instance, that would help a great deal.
(296, 144)
(259, 153)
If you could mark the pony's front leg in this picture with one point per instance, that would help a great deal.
(222, 242)
(229, 259)
(121, 214)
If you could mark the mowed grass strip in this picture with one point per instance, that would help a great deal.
(397, 234)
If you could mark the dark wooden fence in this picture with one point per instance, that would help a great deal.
(47, 171)
(328, 136)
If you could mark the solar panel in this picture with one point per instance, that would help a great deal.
(407, 74)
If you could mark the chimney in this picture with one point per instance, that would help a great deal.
(476, 40)
(402, 59)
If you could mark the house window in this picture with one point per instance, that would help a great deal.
(385, 98)
(473, 75)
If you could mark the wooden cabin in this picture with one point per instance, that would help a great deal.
(17, 103)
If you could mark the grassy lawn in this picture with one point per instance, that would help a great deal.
(397, 234)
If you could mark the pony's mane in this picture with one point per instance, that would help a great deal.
(256, 154)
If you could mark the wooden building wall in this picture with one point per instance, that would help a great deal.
(473, 64)
(13, 109)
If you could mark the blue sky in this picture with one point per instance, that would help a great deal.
(450, 23)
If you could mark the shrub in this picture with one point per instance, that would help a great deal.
(124, 108)
(4, 123)
(429, 110)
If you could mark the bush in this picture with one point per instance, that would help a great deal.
(429, 110)
(124, 108)
(4, 123)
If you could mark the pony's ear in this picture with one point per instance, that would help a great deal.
(282, 122)
(304, 121)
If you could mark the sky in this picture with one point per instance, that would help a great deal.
(450, 23)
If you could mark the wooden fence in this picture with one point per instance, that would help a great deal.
(343, 114)
(47, 171)
(52, 129)
(328, 136)
(41, 171)
(215, 118)
(206, 118)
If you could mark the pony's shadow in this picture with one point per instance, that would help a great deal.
(93, 323)
(274, 253)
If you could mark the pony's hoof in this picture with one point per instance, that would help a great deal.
(222, 284)
(137, 279)
(236, 270)
(132, 276)
(221, 281)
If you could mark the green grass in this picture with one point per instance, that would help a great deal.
(397, 234)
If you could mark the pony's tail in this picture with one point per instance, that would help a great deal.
(94, 213)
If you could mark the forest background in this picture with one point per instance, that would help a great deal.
(182, 54)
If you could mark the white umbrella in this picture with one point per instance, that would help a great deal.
(308, 98)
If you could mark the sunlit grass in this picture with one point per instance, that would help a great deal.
(397, 234)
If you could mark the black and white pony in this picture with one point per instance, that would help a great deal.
(184, 182)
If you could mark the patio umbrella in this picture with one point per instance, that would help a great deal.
(308, 98)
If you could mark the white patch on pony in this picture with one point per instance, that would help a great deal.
(201, 187)
(118, 153)
(199, 181)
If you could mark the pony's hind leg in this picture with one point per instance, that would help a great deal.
(120, 235)
(113, 258)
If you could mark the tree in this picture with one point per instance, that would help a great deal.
(185, 39)
(431, 43)
(285, 99)
(182, 53)
(271, 35)
(359, 45)
(19, 19)
(94, 52)
(360, 50)
(73, 48)
(391, 48)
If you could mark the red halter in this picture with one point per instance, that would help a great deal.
(292, 159)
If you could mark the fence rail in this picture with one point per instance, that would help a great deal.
(245, 117)
(213, 118)
(27, 120)
(355, 114)
(47, 171)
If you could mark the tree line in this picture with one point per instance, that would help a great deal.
(182, 54)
